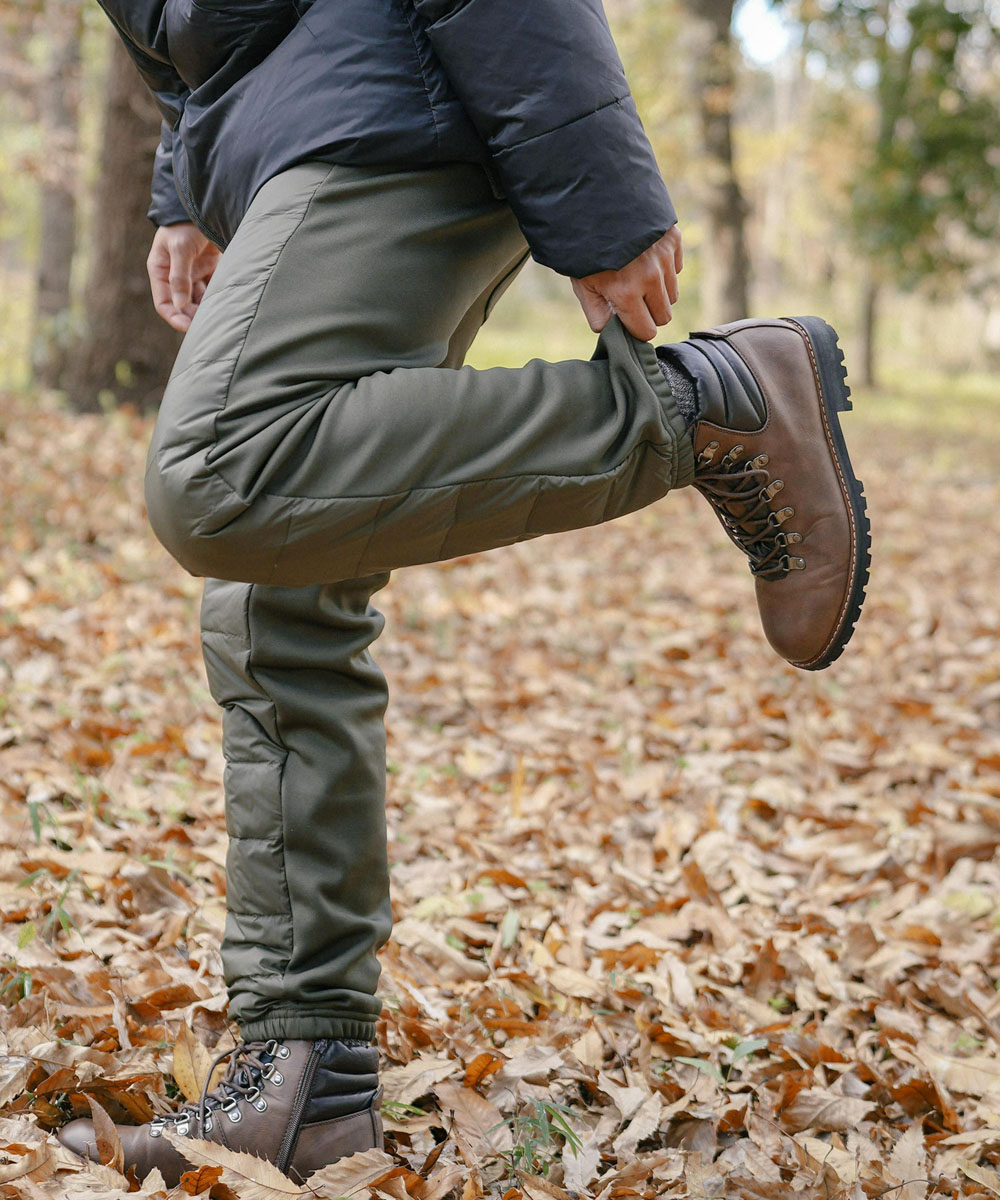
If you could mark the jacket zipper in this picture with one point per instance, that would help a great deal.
(298, 1108)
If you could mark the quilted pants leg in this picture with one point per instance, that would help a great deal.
(306, 873)
(309, 433)
(318, 431)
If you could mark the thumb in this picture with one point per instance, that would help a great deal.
(596, 309)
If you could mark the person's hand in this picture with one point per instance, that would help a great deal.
(641, 292)
(180, 264)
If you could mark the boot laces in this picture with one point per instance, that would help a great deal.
(251, 1065)
(741, 492)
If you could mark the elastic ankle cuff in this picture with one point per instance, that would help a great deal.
(645, 355)
(309, 1026)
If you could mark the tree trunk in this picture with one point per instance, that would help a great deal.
(127, 351)
(869, 320)
(58, 106)
(725, 270)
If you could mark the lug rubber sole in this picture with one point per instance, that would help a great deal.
(836, 393)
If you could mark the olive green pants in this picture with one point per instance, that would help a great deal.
(319, 431)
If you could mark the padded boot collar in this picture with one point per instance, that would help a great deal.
(725, 389)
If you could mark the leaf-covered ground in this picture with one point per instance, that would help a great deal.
(739, 923)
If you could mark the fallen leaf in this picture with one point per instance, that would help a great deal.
(351, 1175)
(254, 1178)
(191, 1063)
(989, 1179)
(109, 1145)
(201, 1180)
(480, 1122)
(818, 1108)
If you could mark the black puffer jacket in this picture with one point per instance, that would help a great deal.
(532, 89)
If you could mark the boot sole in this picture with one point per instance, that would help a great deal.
(835, 394)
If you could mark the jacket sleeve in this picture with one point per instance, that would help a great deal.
(166, 207)
(545, 88)
(169, 93)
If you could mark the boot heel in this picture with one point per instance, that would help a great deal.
(830, 360)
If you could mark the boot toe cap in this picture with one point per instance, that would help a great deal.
(80, 1137)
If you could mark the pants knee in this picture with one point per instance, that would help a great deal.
(204, 525)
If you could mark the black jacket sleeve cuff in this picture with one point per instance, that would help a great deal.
(166, 207)
(545, 88)
(589, 195)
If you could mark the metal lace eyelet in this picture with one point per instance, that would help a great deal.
(760, 462)
(260, 1104)
(706, 456)
(155, 1128)
(793, 538)
(271, 1047)
(183, 1128)
(208, 1124)
(772, 489)
(780, 517)
(235, 1115)
(283, 1052)
(798, 564)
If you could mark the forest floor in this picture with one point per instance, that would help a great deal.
(734, 927)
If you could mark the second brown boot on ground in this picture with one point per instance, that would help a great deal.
(300, 1104)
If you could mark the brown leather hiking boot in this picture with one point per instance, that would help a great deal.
(299, 1104)
(772, 462)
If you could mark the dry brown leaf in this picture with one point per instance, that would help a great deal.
(442, 1182)
(14, 1072)
(535, 1187)
(579, 1168)
(988, 1178)
(351, 1175)
(109, 1144)
(481, 1069)
(576, 983)
(403, 1085)
(819, 1108)
(35, 1162)
(976, 1075)
(908, 1164)
(644, 1123)
(254, 1178)
(841, 1161)
(107, 1178)
(201, 1180)
(191, 1063)
(88, 1064)
(472, 1189)
(479, 1122)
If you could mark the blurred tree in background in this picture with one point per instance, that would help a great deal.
(59, 121)
(123, 350)
(926, 187)
(100, 342)
(834, 155)
(712, 81)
